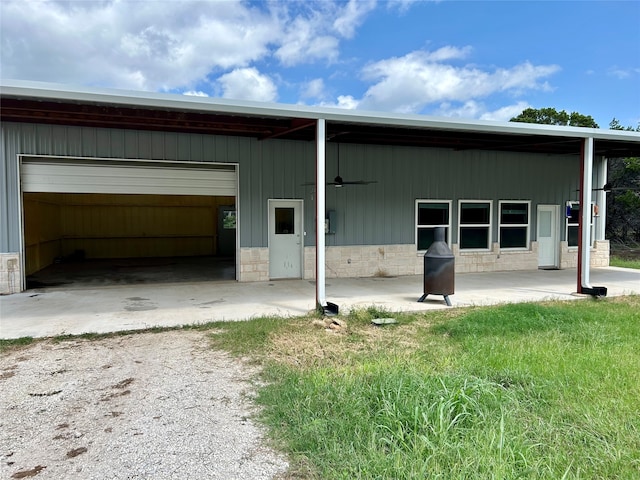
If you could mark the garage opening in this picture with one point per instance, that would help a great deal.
(85, 226)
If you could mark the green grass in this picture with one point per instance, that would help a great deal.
(618, 261)
(516, 391)
(8, 344)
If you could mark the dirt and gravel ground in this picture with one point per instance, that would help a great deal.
(149, 405)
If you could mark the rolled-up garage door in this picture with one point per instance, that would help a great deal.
(67, 175)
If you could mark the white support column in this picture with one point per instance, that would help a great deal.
(585, 211)
(601, 199)
(321, 138)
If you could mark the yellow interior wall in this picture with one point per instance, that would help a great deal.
(119, 226)
(42, 230)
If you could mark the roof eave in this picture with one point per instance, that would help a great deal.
(173, 101)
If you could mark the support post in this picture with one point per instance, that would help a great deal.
(601, 198)
(584, 225)
(321, 138)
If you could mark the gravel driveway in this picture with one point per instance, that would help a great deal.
(149, 405)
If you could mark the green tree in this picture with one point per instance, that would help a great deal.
(550, 116)
(623, 203)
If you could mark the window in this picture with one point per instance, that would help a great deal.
(229, 220)
(284, 221)
(474, 219)
(573, 217)
(429, 215)
(514, 224)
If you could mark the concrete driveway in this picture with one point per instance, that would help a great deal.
(62, 310)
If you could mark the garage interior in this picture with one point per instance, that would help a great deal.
(91, 239)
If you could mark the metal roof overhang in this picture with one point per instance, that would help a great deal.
(55, 104)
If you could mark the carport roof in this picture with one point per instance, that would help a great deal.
(36, 102)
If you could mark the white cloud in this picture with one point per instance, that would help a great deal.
(447, 53)
(310, 34)
(185, 45)
(348, 102)
(167, 45)
(403, 6)
(477, 109)
(469, 109)
(142, 45)
(420, 78)
(304, 41)
(351, 16)
(195, 93)
(313, 89)
(506, 113)
(248, 84)
(623, 73)
(344, 101)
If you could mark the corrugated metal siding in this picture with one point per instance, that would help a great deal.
(380, 213)
(384, 213)
(9, 205)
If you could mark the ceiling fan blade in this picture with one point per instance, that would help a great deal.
(360, 182)
(335, 184)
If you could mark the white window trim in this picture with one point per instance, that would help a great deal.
(508, 225)
(567, 225)
(489, 225)
(431, 200)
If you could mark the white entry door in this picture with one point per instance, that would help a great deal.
(548, 242)
(285, 238)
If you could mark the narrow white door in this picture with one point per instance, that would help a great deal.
(285, 239)
(548, 243)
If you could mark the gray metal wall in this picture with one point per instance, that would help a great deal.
(385, 211)
(268, 169)
(380, 213)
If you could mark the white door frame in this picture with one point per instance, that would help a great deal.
(299, 219)
(555, 232)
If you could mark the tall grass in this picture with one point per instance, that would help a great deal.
(618, 261)
(515, 391)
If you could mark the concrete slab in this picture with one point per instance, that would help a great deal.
(58, 310)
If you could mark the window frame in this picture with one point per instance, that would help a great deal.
(576, 224)
(418, 226)
(514, 225)
(488, 226)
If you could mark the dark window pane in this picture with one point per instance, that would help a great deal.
(474, 213)
(575, 213)
(514, 213)
(433, 213)
(513, 237)
(426, 235)
(474, 237)
(572, 236)
(425, 238)
(284, 221)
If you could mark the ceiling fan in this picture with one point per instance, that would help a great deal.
(339, 182)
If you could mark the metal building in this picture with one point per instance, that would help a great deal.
(290, 191)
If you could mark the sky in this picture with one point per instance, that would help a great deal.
(485, 60)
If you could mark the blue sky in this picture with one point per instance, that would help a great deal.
(467, 59)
